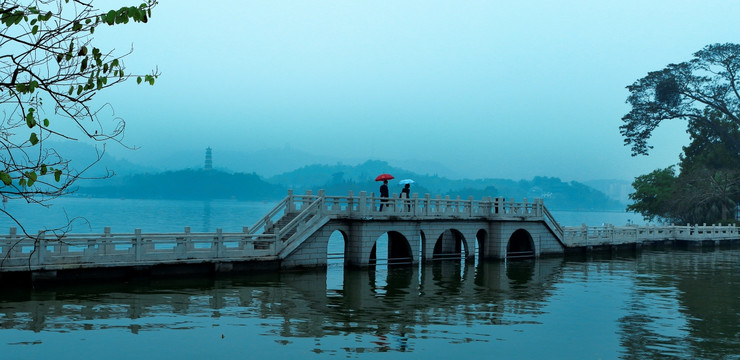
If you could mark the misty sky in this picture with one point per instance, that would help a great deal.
(498, 89)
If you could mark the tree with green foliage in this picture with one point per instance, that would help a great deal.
(706, 195)
(653, 194)
(51, 70)
(705, 92)
(707, 188)
(684, 91)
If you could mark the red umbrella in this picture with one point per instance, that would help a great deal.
(382, 177)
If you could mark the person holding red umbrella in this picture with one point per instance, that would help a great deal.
(383, 188)
(383, 194)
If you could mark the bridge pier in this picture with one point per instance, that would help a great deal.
(404, 243)
(411, 241)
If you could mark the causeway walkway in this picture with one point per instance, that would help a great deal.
(294, 234)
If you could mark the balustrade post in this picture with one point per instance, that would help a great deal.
(372, 203)
(307, 199)
(290, 206)
(218, 242)
(415, 204)
(427, 204)
(184, 243)
(107, 244)
(635, 232)
(512, 207)
(540, 207)
(405, 203)
(324, 206)
(14, 247)
(243, 241)
(611, 233)
(93, 247)
(350, 202)
(584, 233)
(362, 207)
(525, 207)
(485, 207)
(470, 206)
(41, 249)
(6, 245)
(138, 245)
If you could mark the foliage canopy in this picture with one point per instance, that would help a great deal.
(708, 82)
(50, 71)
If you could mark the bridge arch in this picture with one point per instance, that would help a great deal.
(398, 249)
(336, 258)
(520, 245)
(449, 245)
(336, 249)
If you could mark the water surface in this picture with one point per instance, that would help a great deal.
(658, 304)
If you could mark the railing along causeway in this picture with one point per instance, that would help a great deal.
(614, 235)
(20, 253)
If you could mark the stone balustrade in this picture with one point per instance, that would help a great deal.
(44, 252)
(366, 205)
(617, 235)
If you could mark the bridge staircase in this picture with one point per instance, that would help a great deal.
(555, 228)
(294, 226)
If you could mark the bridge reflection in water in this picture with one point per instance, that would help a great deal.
(423, 309)
(373, 300)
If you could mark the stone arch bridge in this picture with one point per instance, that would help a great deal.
(418, 229)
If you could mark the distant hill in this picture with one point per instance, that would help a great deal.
(339, 179)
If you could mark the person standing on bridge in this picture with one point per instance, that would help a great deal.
(383, 194)
(406, 194)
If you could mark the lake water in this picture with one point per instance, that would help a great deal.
(655, 304)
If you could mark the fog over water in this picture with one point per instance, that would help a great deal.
(480, 89)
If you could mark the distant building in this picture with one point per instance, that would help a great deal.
(209, 159)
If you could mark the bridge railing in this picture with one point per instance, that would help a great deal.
(614, 235)
(47, 252)
(369, 205)
(265, 223)
(310, 212)
(550, 220)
